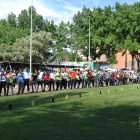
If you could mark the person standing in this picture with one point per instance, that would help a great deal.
(82, 79)
(40, 79)
(77, 76)
(68, 81)
(118, 78)
(112, 79)
(34, 82)
(46, 80)
(27, 79)
(107, 78)
(20, 80)
(64, 79)
(2, 81)
(115, 78)
(9, 82)
(14, 76)
(85, 78)
(89, 76)
(52, 79)
(58, 80)
(73, 80)
(92, 78)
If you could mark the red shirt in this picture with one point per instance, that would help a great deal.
(73, 75)
(115, 77)
(46, 76)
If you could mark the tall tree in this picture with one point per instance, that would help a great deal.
(12, 20)
(60, 40)
(20, 50)
(24, 19)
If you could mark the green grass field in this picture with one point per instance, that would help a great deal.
(105, 116)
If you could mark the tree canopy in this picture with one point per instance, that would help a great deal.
(112, 29)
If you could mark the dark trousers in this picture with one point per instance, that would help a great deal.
(89, 82)
(34, 84)
(51, 84)
(118, 81)
(92, 81)
(111, 82)
(69, 83)
(82, 81)
(78, 83)
(40, 82)
(11, 85)
(46, 82)
(14, 82)
(58, 84)
(3, 85)
(26, 83)
(20, 87)
(73, 83)
(124, 81)
(107, 82)
(64, 83)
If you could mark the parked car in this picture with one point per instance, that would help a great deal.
(109, 70)
(126, 70)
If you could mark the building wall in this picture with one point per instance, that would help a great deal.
(103, 61)
(121, 61)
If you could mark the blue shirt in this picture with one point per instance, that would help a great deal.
(107, 76)
(2, 76)
(20, 77)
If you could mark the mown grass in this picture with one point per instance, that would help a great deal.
(110, 116)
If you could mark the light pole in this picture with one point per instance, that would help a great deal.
(31, 42)
(89, 39)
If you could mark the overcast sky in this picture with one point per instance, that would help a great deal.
(57, 10)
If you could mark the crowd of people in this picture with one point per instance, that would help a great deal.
(61, 80)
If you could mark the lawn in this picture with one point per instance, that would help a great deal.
(111, 115)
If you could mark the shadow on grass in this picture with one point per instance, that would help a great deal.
(84, 118)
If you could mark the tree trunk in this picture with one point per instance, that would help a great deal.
(87, 58)
(138, 66)
(126, 60)
(76, 56)
(132, 67)
(108, 57)
(58, 62)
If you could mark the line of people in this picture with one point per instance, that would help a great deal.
(62, 80)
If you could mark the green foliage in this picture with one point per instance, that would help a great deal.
(112, 29)
(12, 20)
(9, 33)
(24, 19)
(20, 50)
(113, 59)
(60, 41)
(72, 57)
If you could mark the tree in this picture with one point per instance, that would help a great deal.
(102, 37)
(128, 29)
(72, 57)
(20, 50)
(12, 20)
(9, 34)
(24, 19)
(60, 39)
(37, 19)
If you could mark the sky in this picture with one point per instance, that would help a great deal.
(57, 10)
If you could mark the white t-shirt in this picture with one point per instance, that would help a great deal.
(63, 75)
(2, 76)
(40, 76)
(26, 74)
(14, 75)
(52, 75)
